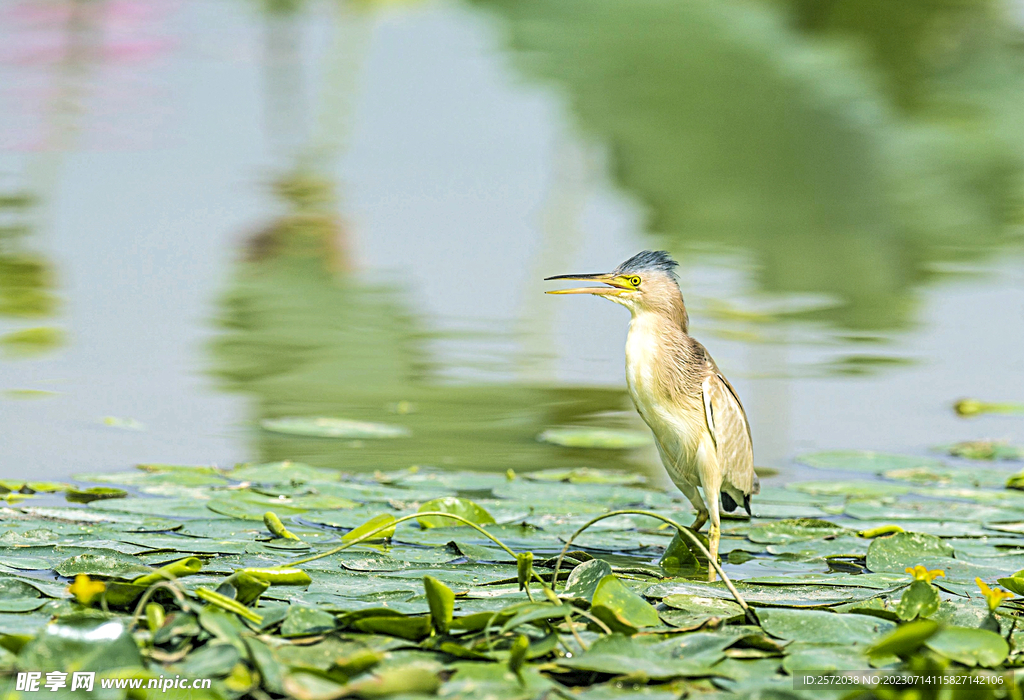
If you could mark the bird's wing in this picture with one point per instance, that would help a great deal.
(731, 432)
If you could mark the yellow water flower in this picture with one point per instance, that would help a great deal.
(85, 589)
(922, 574)
(994, 596)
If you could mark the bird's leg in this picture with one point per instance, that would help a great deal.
(693, 495)
(714, 534)
(698, 522)
(711, 483)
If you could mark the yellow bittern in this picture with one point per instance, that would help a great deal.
(698, 422)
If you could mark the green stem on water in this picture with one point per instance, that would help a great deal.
(681, 530)
(387, 526)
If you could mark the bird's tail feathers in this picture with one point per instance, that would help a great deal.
(728, 504)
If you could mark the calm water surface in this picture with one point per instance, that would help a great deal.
(215, 212)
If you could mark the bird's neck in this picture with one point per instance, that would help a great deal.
(660, 357)
(668, 313)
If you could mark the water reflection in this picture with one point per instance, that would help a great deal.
(852, 150)
(305, 333)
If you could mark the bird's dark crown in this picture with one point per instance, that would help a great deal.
(649, 261)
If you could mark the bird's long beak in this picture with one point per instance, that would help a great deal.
(613, 289)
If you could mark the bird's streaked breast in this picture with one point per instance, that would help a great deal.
(676, 419)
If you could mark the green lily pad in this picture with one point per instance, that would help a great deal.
(620, 608)
(821, 627)
(811, 596)
(986, 450)
(852, 489)
(691, 610)
(103, 563)
(969, 646)
(926, 510)
(474, 680)
(803, 656)
(321, 427)
(585, 475)
(820, 548)
(596, 438)
(286, 472)
(96, 642)
(584, 578)
(905, 639)
(303, 621)
(783, 531)
(904, 550)
(921, 599)
(442, 603)
(462, 507)
(875, 581)
(618, 654)
(94, 493)
(867, 461)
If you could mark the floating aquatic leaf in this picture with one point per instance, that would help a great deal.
(969, 646)
(866, 461)
(495, 682)
(442, 603)
(783, 531)
(905, 639)
(478, 552)
(322, 427)
(583, 579)
(810, 596)
(413, 679)
(18, 486)
(77, 641)
(105, 563)
(618, 654)
(843, 545)
(286, 472)
(692, 610)
(921, 599)
(585, 475)
(852, 489)
(395, 625)
(802, 657)
(876, 581)
(391, 601)
(986, 449)
(620, 608)
(462, 507)
(214, 660)
(94, 493)
(823, 627)
(303, 621)
(250, 506)
(926, 510)
(374, 523)
(904, 549)
(596, 438)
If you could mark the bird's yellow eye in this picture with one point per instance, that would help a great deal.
(634, 280)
